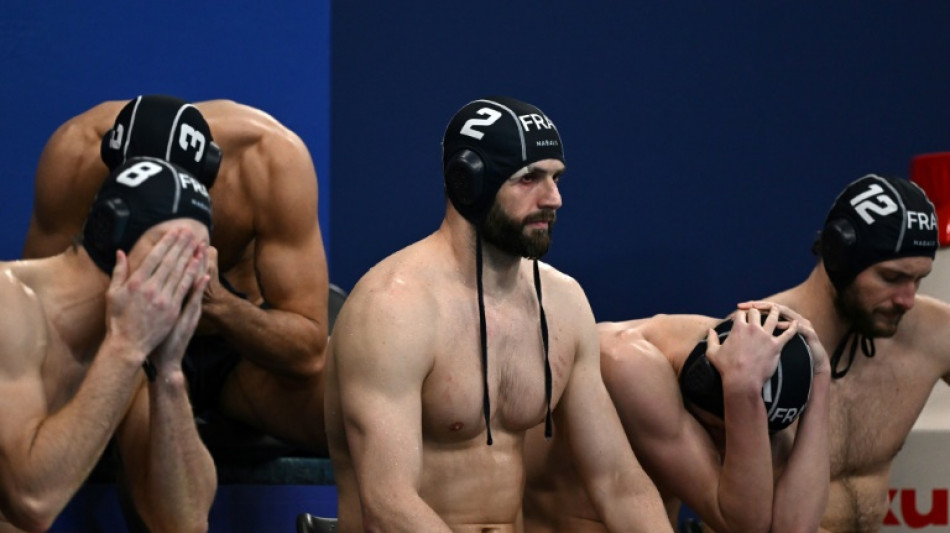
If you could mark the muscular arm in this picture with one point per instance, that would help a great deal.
(620, 490)
(290, 336)
(171, 473)
(382, 358)
(68, 174)
(732, 493)
(801, 493)
(46, 456)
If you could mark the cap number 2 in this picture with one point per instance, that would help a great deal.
(491, 116)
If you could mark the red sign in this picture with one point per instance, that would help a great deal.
(912, 517)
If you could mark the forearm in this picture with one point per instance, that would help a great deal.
(180, 480)
(631, 502)
(283, 342)
(801, 493)
(395, 514)
(746, 479)
(45, 473)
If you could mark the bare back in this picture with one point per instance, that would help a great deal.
(261, 159)
(429, 315)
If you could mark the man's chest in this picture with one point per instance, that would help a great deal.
(453, 393)
(62, 374)
(872, 410)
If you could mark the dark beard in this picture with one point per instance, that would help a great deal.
(848, 308)
(507, 234)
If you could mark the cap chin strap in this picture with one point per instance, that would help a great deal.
(483, 333)
(483, 330)
(855, 338)
(548, 423)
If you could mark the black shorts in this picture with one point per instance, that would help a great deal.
(208, 362)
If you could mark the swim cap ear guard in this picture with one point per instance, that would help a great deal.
(140, 193)
(485, 143)
(785, 394)
(876, 219)
(167, 128)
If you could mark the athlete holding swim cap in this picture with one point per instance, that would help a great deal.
(258, 355)
(77, 329)
(449, 350)
(708, 422)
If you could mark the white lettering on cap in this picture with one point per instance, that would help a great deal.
(927, 221)
(786, 414)
(538, 121)
(187, 180)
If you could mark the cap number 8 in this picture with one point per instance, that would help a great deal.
(136, 174)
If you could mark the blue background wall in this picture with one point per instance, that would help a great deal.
(705, 140)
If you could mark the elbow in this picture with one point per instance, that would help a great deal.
(747, 521)
(31, 513)
(311, 362)
(313, 357)
(198, 524)
(372, 522)
(193, 525)
(379, 512)
(761, 524)
(795, 524)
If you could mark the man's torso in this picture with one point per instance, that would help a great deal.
(468, 483)
(872, 410)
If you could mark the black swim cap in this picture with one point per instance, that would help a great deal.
(165, 127)
(785, 394)
(140, 193)
(876, 219)
(486, 142)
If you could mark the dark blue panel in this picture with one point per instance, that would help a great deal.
(705, 141)
(96, 509)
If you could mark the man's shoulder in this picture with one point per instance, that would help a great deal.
(402, 280)
(671, 334)
(932, 307)
(391, 308)
(79, 137)
(926, 324)
(559, 283)
(24, 319)
(238, 127)
(629, 347)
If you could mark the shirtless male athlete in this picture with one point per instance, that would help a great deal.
(258, 355)
(878, 241)
(444, 355)
(739, 470)
(73, 348)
